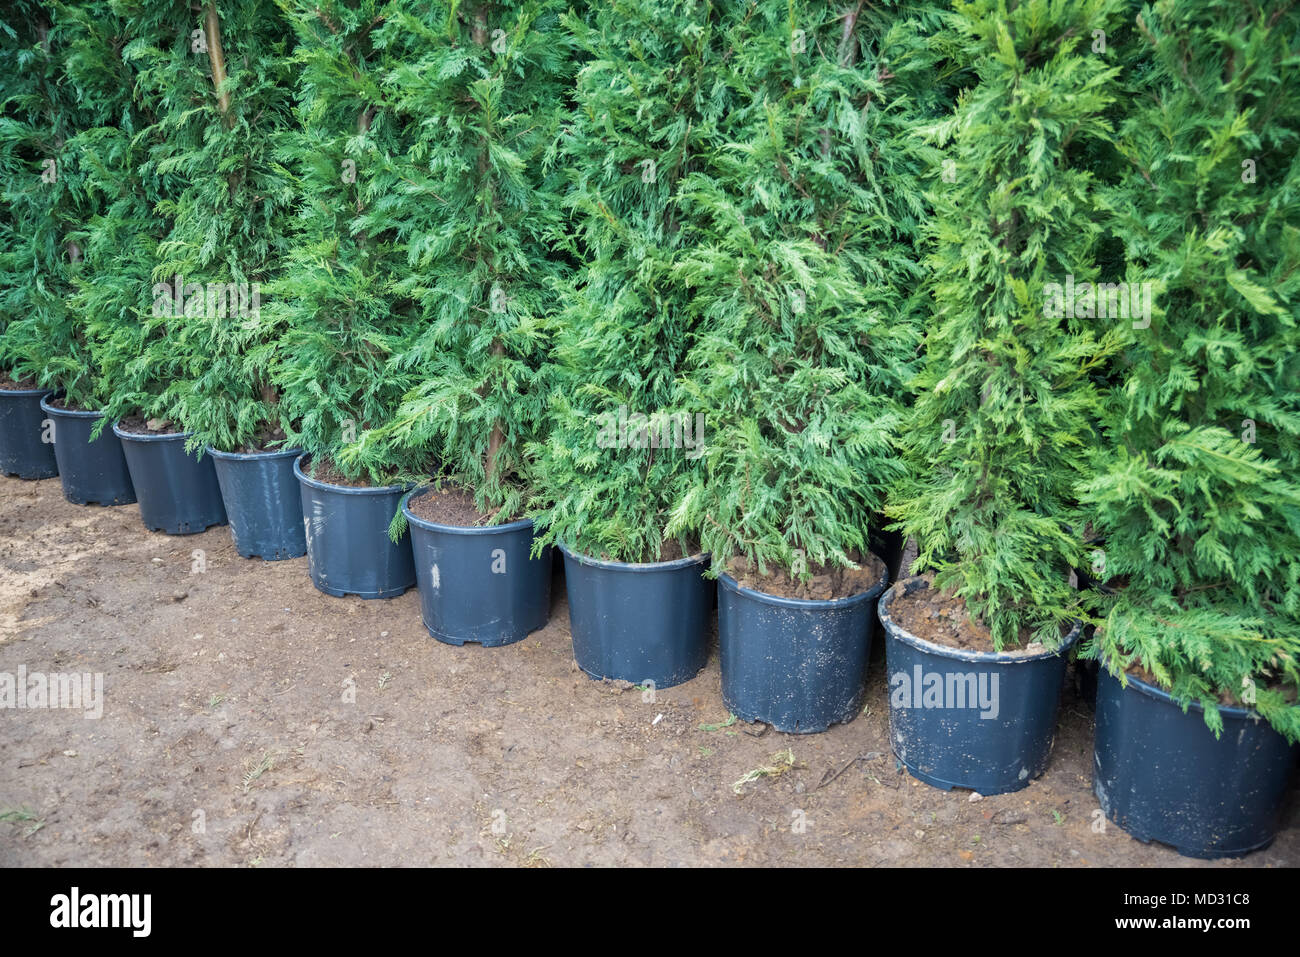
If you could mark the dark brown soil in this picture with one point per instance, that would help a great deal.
(138, 425)
(326, 471)
(941, 617)
(1227, 697)
(62, 403)
(828, 582)
(314, 731)
(267, 439)
(8, 384)
(448, 505)
(669, 551)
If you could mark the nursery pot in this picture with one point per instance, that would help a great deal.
(178, 492)
(796, 664)
(92, 473)
(263, 502)
(1162, 775)
(479, 583)
(25, 450)
(639, 622)
(970, 719)
(348, 548)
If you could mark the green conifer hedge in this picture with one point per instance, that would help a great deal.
(736, 273)
(1196, 491)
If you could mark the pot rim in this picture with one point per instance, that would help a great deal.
(814, 604)
(74, 413)
(1160, 694)
(27, 393)
(697, 559)
(424, 523)
(307, 480)
(894, 630)
(144, 437)
(251, 456)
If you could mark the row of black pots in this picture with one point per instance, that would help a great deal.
(800, 666)
(984, 721)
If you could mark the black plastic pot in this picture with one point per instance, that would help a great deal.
(348, 548)
(797, 665)
(263, 502)
(1161, 774)
(92, 473)
(178, 492)
(989, 722)
(26, 450)
(639, 622)
(479, 584)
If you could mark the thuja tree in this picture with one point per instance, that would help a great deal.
(111, 296)
(46, 202)
(218, 80)
(804, 275)
(484, 87)
(622, 439)
(343, 321)
(1004, 407)
(1197, 495)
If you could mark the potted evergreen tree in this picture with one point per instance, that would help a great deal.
(803, 270)
(41, 192)
(114, 239)
(232, 239)
(1197, 490)
(155, 363)
(1004, 408)
(342, 319)
(218, 75)
(621, 439)
(485, 85)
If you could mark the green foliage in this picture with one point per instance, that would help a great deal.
(112, 292)
(1005, 410)
(649, 101)
(477, 211)
(803, 271)
(46, 202)
(343, 321)
(1197, 495)
(206, 365)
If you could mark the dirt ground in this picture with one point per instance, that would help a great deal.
(228, 737)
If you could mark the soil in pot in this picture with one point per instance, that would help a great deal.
(267, 439)
(827, 582)
(9, 384)
(450, 505)
(670, 550)
(139, 425)
(941, 617)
